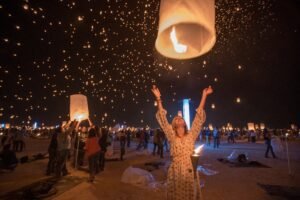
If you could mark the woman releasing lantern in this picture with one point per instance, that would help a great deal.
(180, 181)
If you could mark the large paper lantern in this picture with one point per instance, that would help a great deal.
(79, 109)
(186, 28)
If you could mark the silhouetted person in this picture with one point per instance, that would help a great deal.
(8, 159)
(268, 137)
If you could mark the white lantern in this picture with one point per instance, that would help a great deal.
(251, 126)
(78, 107)
(186, 28)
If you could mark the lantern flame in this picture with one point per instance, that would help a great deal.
(198, 149)
(179, 48)
(79, 117)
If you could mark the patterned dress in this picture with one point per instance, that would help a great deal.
(180, 181)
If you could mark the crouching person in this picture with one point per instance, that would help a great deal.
(92, 149)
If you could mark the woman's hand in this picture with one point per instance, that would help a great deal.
(207, 91)
(156, 92)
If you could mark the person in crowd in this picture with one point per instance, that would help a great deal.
(122, 138)
(160, 143)
(216, 136)
(180, 180)
(268, 137)
(128, 137)
(146, 138)
(63, 148)
(92, 149)
(155, 141)
(52, 150)
(231, 136)
(253, 136)
(141, 138)
(207, 137)
(103, 148)
(8, 158)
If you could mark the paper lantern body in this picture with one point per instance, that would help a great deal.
(251, 126)
(194, 21)
(78, 107)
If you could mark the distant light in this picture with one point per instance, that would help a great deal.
(186, 112)
(238, 100)
(239, 67)
(35, 125)
(80, 18)
(213, 106)
(25, 6)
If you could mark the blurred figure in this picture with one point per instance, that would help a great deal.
(231, 137)
(207, 137)
(268, 137)
(52, 150)
(103, 148)
(63, 148)
(216, 136)
(122, 138)
(155, 140)
(8, 159)
(92, 149)
(253, 136)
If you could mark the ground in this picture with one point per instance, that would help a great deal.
(229, 183)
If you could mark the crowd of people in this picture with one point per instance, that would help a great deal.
(87, 145)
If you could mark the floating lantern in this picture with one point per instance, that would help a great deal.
(251, 126)
(210, 126)
(7, 126)
(213, 106)
(186, 28)
(78, 107)
(262, 126)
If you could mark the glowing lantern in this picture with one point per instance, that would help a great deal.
(7, 126)
(210, 126)
(262, 126)
(186, 28)
(78, 107)
(251, 126)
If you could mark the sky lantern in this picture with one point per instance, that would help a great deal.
(79, 109)
(186, 28)
(251, 126)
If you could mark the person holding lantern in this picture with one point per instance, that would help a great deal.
(180, 180)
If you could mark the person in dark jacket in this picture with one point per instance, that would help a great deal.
(103, 146)
(8, 158)
(52, 150)
(268, 137)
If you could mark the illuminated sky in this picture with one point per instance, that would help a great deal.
(105, 50)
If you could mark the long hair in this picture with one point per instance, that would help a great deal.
(175, 124)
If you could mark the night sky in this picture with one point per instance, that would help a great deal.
(104, 49)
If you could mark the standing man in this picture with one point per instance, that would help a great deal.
(268, 137)
(216, 137)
